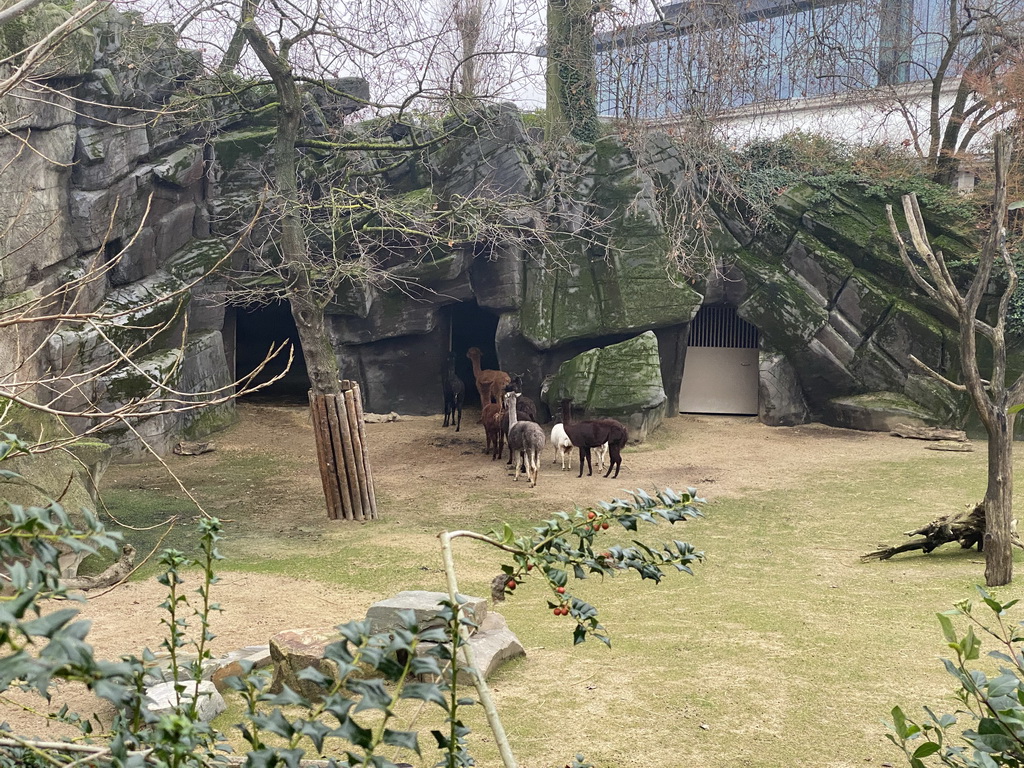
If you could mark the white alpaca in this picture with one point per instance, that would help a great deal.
(526, 438)
(563, 449)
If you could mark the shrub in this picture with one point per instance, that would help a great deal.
(988, 731)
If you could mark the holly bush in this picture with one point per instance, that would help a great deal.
(351, 720)
(987, 731)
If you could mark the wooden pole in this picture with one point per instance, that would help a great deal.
(325, 455)
(343, 455)
(349, 457)
(367, 473)
(357, 447)
(344, 471)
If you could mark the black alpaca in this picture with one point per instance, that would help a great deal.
(454, 394)
(594, 433)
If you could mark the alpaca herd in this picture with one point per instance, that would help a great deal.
(509, 416)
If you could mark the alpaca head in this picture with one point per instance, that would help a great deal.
(474, 353)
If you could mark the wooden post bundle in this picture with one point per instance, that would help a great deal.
(343, 455)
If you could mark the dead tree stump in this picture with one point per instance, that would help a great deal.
(965, 528)
(342, 454)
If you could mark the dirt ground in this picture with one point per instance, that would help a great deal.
(415, 458)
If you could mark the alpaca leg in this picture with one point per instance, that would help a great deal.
(458, 424)
(615, 461)
(533, 467)
(585, 454)
(517, 471)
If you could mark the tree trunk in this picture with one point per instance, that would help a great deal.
(571, 81)
(999, 502)
(306, 299)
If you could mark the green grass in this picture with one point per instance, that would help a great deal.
(782, 650)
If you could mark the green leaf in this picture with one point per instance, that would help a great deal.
(46, 626)
(899, 722)
(424, 692)
(947, 627)
(403, 739)
(927, 749)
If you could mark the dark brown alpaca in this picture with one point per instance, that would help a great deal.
(594, 433)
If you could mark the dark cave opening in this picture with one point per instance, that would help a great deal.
(259, 328)
(473, 326)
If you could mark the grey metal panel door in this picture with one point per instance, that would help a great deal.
(720, 371)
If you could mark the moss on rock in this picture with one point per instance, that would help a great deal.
(621, 381)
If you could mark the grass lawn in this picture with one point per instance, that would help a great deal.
(783, 649)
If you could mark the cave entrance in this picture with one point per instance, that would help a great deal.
(473, 326)
(721, 366)
(259, 328)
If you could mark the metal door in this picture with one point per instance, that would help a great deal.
(720, 370)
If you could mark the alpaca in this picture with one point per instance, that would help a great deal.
(454, 394)
(489, 384)
(563, 449)
(527, 438)
(526, 409)
(491, 419)
(590, 434)
(618, 436)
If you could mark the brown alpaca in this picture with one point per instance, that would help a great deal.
(491, 419)
(490, 384)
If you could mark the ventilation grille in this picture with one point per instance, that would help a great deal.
(721, 327)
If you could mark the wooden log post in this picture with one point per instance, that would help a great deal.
(343, 454)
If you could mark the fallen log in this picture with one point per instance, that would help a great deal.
(112, 575)
(965, 528)
(928, 433)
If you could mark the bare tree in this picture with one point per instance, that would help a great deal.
(933, 70)
(995, 402)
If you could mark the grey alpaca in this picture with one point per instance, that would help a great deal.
(527, 438)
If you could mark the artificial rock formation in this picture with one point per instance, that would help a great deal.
(824, 286)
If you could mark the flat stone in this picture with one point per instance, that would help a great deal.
(493, 644)
(384, 615)
(162, 699)
(296, 649)
(231, 664)
(876, 412)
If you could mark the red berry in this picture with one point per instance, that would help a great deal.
(604, 526)
(511, 584)
(591, 515)
(560, 590)
(529, 566)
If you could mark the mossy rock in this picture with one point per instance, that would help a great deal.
(196, 259)
(623, 291)
(71, 474)
(73, 56)
(877, 412)
(237, 146)
(620, 381)
(785, 314)
(136, 382)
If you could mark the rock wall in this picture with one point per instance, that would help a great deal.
(836, 312)
(99, 171)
